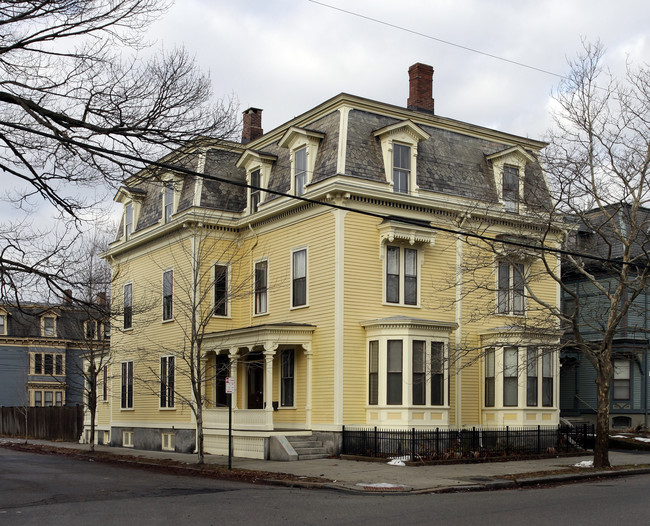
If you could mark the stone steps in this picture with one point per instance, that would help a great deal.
(307, 447)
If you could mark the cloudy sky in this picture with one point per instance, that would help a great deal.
(286, 56)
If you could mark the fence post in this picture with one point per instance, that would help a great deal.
(343, 442)
(507, 441)
(413, 445)
(374, 452)
(584, 435)
(539, 433)
(437, 442)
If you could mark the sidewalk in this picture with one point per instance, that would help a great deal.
(353, 475)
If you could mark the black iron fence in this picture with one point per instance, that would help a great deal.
(476, 442)
(48, 423)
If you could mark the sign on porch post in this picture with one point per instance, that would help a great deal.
(230, 389)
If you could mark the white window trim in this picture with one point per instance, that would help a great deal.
(522, 379)
(517, 157)
(132, 407)
(168, 441)
(5, 318)
(162, 294)
(420, 258)
(511, 277)
(279, 379)
(293, 251)
(268, 274)
(175, 183)
(407, 134)
(127, 439)
(296, 138)
(54, 319)
(213, 296)
(252, 161)
(130, 328)
(166, 407)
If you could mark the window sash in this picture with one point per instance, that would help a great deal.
(287, 378)
(489, 378)
(169, 201)
(105, 383)
(437, 373)
(299, 281)
(511, 188)
(49, 399)
(510, 288)
(168, 295)
(261, 287)
(126, 399)
(510, 377)
(419, 380)
(167, 375)
(410, 276)
(401, 168)
(48, 326)
(621, 383)
(128, 220)
(221, 290)
(48, 364)
(547, 379)
(38, 399)
(531, 377)
(392, 274)
(300, 171)
(255, 193)
(373, 372)
(58, 364)
(128, 306)
(38, 363)
(394, 373)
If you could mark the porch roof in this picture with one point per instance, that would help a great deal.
(285, 333)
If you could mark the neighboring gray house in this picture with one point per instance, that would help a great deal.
(41, 350)
(630, 393)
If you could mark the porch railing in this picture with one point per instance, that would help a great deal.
(253, 419)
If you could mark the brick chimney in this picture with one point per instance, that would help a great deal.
(420, 88)
(252, 128)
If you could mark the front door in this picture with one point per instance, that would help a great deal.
(255, 380)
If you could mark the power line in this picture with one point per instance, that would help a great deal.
(243, 184)
(442, 41)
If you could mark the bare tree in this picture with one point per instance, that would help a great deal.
(211, 270)
(79, 90)
(597, 165)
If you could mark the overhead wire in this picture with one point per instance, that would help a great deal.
(243, 184)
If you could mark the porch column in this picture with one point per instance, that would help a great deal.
(308, 355)
(233, 354)
(269, 353)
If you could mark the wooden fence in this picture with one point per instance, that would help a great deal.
(47, 423)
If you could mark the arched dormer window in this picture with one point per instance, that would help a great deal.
(509, 167)
(258, 172)
(399, 147)
(303, 145)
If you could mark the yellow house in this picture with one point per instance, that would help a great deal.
(326, 268)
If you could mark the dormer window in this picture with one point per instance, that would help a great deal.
(3, 323)
(509, 166)
(300, 170)
(304, 147)
(399, 146)
(128, 220)
(401, 168)
(258, 171)
(255, 193)
(511, 188)
(48, 326)
(168, 197)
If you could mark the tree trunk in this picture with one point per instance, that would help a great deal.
(601, 446)
(199, 435)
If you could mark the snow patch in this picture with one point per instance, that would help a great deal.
(642, 439)
(398, 461)
(381, 485)
(585, 464)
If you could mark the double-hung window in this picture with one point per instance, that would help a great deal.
(511, 188)
(401, 168)
(48, 367)
(621, 385)
(287, 379)
(167, 381)
(531, 377)
(48, 326)
(105, 383)
(126, 399)
(299, 278)
(169, 201)
(394, 373)
(489, 378)
(437, 373)
(3, 325)
(221, 290)
(256, 180)
(128, 306)
(58, 364)
(510, 377)
(373, 373)
(128, 220)
(261, 287)
(511, 288)
(38, 363)
(547, 379)
(419, 372)
(168, 295)
(401, 275)
(300, 170)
